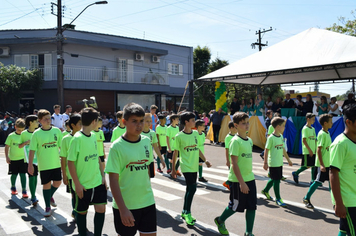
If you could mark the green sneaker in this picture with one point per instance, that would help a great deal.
(188, 219)
(267, 195)
(280, 203)
(183, 215)
(221, 227)
(248, 234)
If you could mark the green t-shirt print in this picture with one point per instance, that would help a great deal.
(242, 148)
(46, 144)
(275, 145)
(161, 131)
(100, 138)
(324, 141)
(130, 160)
(13, 141)
(117, 132)
(310, 136)
(187, 145)
(171, 134)
(83, 152)
(342, 157)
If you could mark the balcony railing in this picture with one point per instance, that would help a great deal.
(97, 74)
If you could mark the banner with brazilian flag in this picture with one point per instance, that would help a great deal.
(220, 96)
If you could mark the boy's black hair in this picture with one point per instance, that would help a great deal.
(186, 116)
(30, 118)
(199, 123)
(349, 112)
(119, 114)
(74, 119)
(231, 124)
(88, 115)
(324, 118)
(174, 116)
(239, 116)
(277, 121)
(309, 115)
(161, 117)
(269, 112)
(66, 123)
(133, 109)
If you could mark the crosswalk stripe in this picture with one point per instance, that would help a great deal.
(10, 221)
(169, 184)
(164, 195)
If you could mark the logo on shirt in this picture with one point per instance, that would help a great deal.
(147, 152)
(138, 165)
(90, 157)
(196, 140)
(246, 155)
(312, 138)
(279, 146)
(191, 148)
(327, 148)
(55, 137)
(49, 145)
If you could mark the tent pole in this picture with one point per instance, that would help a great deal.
(183, 96)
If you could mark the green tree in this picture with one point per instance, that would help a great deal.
(201, 61)
(345, 26)
(14, 79)
(343, 97)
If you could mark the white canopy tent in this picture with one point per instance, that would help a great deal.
(312, 55)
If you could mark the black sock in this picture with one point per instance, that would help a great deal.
(98, 223)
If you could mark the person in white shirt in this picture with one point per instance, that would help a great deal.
(67, 113)
(57, 118)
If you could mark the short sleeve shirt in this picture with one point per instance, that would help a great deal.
(25, 136)
(152, 136)
(242, 148)
(117, 132)
(310, 136)
(161, 131)
(171, 134)
(270, 130)
(57, 120)
(64, 150)
(46, 144)
(65, 132)
(13, 141)
(201, 141)
(275, 145)
(83, 152)
(187, 145)
(324, 141)
(130, 160)
(100, 139)
(227, 142)
(342, 157)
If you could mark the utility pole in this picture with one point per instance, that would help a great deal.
(260, 45)
(59, 38)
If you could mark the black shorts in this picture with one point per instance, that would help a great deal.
(163, 150)
(170, 155)
(49, 175)
(322, 176)
(308, 161)
(276, 173)
(240, 201)
(17, 167)
(93, 196)
(348, 224)
(145, 221)
(70, 186)
(35, 171)
(151, 168)
(102, 158)
(190, 177)
(201, 160)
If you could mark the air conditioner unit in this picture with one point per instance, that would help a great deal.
(156, 59)
(139, 57)
(4, 51)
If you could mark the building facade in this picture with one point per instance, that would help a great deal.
(115, 70)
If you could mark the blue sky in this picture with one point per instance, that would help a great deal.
(227, 27)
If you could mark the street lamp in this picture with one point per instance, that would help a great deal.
(59, 37)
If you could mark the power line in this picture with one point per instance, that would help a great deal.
(39, 13)
(19, 17)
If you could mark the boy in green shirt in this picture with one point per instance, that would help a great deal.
(45, 142)
(68, 130)
(99, 134)
(128, 162)
(87, 174)
(16, 158)
(32, 124)
(188, 148)
(243, 186)
(229, 136)
(147, 132)
(309, 147)
(75, 124)
(322, 157)
(120, 129)
(172, 131)
(161, 132)
(274, 153)
(343, 174)
(200, 125)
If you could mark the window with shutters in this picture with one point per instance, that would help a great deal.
(33, 61)
(175, 69)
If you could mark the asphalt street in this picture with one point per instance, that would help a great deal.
(18, 217)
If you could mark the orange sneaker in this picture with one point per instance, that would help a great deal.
(24, 194)
(178, 173)
(13, 191)
(226, 185)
